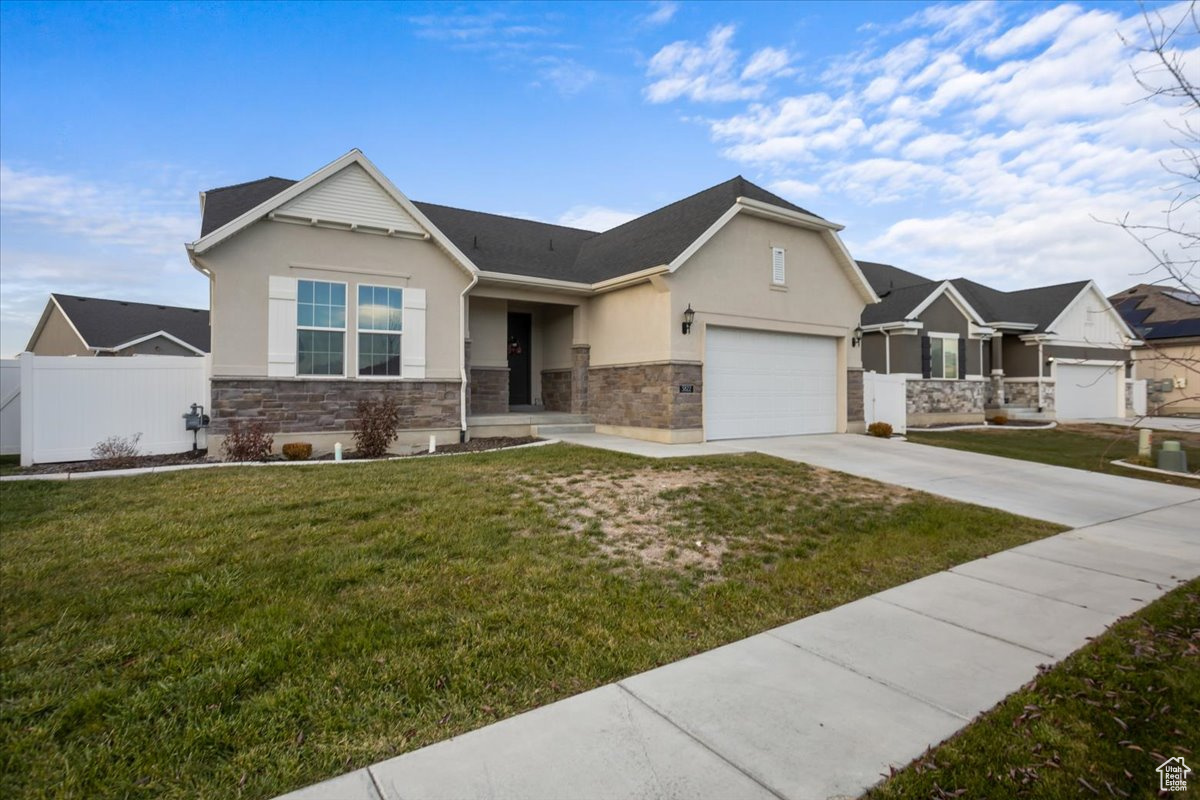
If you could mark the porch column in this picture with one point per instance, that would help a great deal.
(997, 376)
(581, 357)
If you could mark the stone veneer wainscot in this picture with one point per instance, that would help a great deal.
(285, 405)
(646, 395)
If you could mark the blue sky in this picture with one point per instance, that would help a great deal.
(974, 139)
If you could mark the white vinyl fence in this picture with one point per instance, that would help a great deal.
(10, 406)
(1138, 396)
(885, 400)
(70, 404)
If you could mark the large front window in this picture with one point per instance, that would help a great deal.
(380, 318)
(321, 328)
(943, 358)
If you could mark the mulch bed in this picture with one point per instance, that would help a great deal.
(201, 457)
(473, 446)
(167, 459)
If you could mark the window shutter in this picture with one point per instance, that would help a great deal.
(281, 327)
(926, 358)
(412, 337)
(778, 271)
(962, 357)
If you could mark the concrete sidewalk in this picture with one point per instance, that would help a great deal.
(822, 707)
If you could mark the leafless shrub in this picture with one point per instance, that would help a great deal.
(116, 452)
(376, 427)
(247, 442)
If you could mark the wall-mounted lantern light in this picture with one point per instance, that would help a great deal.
(856, 340)
(688, 317)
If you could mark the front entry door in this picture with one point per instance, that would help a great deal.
(520, 390)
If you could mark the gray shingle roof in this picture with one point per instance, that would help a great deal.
(902, 291)
(885, 277)
(506, 244)
(522, 247)
(229, 202)
(108, 323)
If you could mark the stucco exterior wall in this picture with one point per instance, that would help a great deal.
(243, 264)
(728, 282)
(489, 332)
(57, 338)
(1174, 361)
(942, 316)
(630, 326)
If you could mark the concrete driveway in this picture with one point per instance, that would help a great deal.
(1058, 494)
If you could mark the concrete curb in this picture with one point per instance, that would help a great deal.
(1120, 462)
(986, 426)
(126, 473)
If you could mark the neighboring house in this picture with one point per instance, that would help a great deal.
(92, 326)
(729, 313)
(1167, 320)
(967, 348)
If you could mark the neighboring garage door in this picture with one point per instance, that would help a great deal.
(1083, 391)
(758, 383)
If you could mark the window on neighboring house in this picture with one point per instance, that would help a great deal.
(321, 328)
(778, 267)
(380, 318)
(943, 358)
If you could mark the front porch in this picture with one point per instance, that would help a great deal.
(528, 421)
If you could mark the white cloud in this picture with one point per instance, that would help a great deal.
(707, 71)
(566, 75)
(62, 233)
(973, 140)
(663, 13)
(595, 218)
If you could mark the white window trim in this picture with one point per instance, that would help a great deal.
(781, 253)
(343, 330)
(359, 329)
(945, 337)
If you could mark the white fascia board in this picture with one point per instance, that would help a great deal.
(947, 288)
(509, 279)
(147, 337)
(41, 323)
(908, 324)
(1014, 326)
(625, 280)
(761, 209)
(702, 240)
(1033, 338)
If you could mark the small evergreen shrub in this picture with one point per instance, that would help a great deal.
(376, 427)
(116, 452)
(999, 419)
(880, 429)
(247, 442)
(297, 451)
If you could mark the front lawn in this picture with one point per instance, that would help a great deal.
(1096, 725)
(1089, 447)
(243, 632)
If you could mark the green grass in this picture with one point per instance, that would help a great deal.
(10, 464)
(1097, 724)
(243, 632)
(1089, 447)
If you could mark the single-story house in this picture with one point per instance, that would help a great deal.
(729, 313)
(93, 326)
(969, 351)
(1167, 320)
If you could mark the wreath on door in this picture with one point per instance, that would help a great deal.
(514, 347)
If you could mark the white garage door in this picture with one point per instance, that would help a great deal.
(1083, 391)
(758, 383)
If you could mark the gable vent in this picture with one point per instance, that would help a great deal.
(778, 272)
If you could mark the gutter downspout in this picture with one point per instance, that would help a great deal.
(887, 352)
(462, 356)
